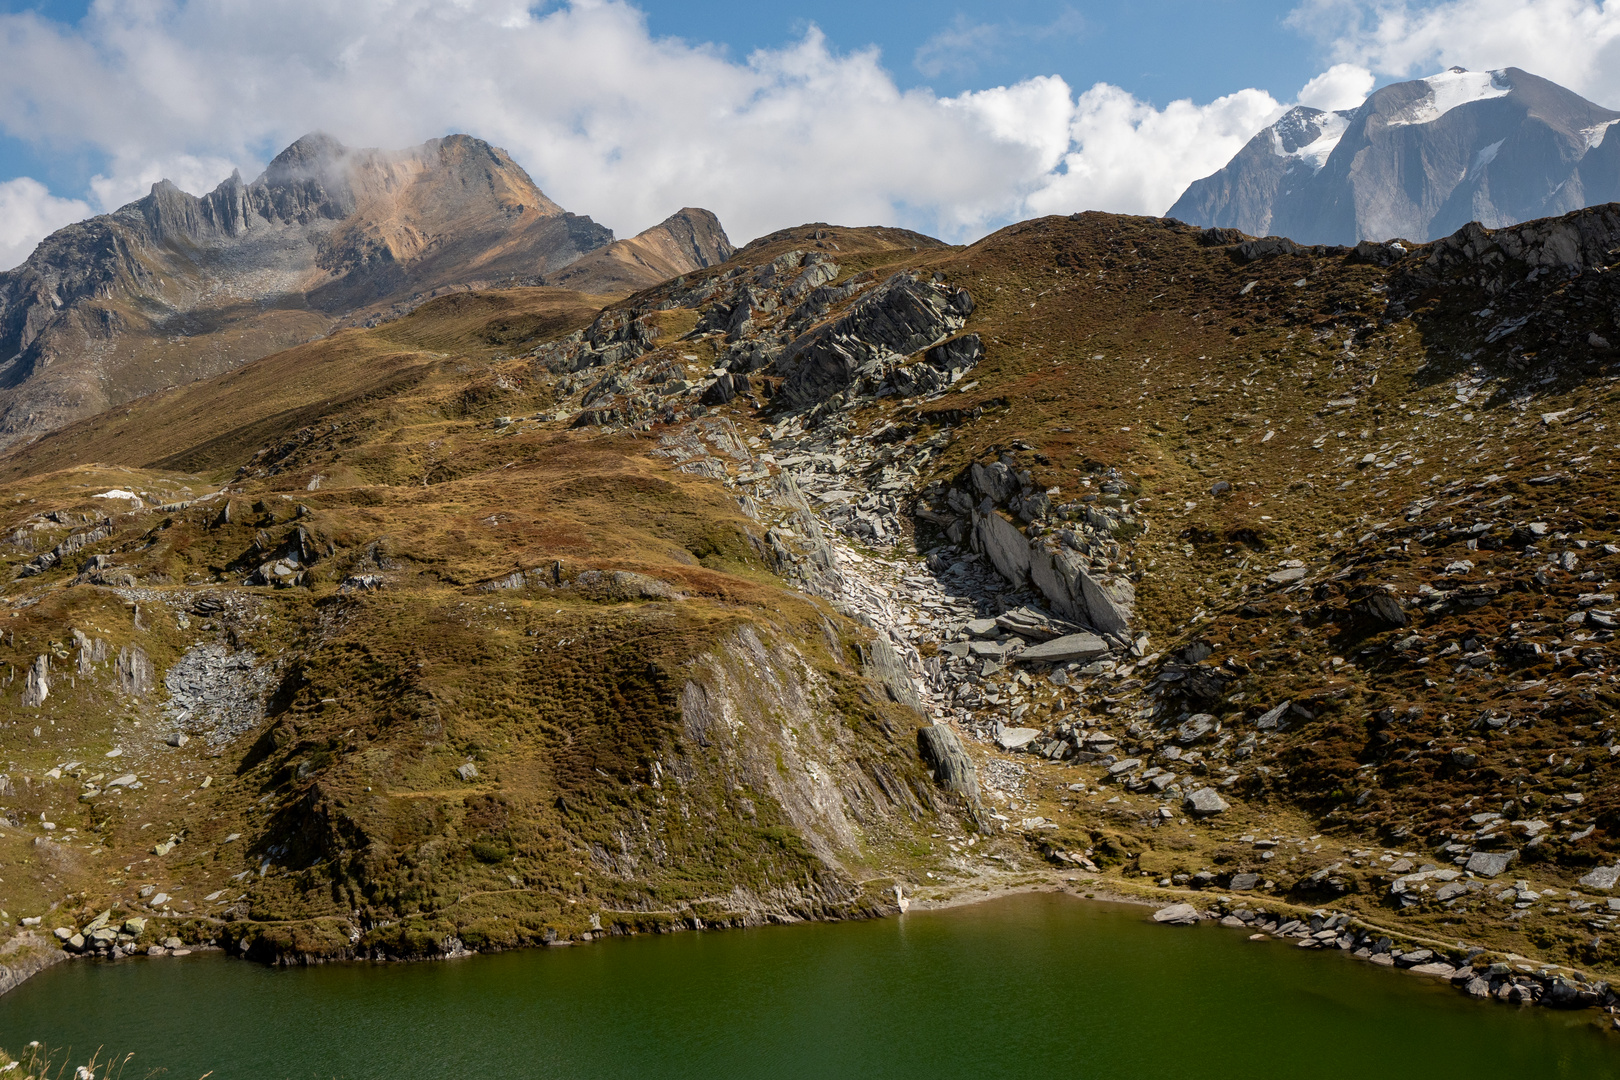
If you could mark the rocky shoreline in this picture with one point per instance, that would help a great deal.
(1512, 979)
(1472, 970)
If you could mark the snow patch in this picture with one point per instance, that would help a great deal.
(1487, 155)
(1594, 135)
(1331, 127)
(117, 493)
(1451, 89)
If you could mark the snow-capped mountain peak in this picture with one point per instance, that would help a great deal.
(1308, 134)
(1450, 90)
(1418, 160)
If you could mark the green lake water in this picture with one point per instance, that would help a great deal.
(1027, 986)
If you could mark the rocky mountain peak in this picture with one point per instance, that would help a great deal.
(689, 239)
(328, 235)
(313, 155)
(698, 235)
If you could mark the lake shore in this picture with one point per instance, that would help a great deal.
(1508, 978)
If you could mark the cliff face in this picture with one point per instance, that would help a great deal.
(691, 239)
(1417, 160)
(176, 287)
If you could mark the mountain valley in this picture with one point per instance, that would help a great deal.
(852, 571)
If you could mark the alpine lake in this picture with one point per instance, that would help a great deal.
(1035, 985)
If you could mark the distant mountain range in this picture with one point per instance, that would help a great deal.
(1417, 160)
(175, 287)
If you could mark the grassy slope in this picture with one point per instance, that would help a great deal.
(1124, 343)
(1111, 343)
(564, 700)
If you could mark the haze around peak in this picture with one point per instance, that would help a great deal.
(625, 112)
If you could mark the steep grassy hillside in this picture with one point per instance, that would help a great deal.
(1348, 506)
(367, 668)
(1221, 568)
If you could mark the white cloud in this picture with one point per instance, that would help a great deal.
(1130, 157)
(29, 211)
(1572, 42)
(610, 121)
(1342, 86)
(136, 177)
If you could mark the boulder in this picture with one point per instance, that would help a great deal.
(994, 481)
(1244, 882)
(1012, 739)
(1108, 603)
(1206, 802)
(1003, 544)
(1386, 608)
(1076, 594)
(1273, 718)
(1064, 649)
(1195, 728)
(468, 772)
(1490, 863)
(1603, 877)
(1177, 915)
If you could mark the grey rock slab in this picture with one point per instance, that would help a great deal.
(1005, 546)
(1206, 802)
(1286, 576)
(1177, 915)
(1490, 863)
(941, 750)
(1018, 738)
(1244, 882)
(1065, 649)
(1603, 877)
(1195, 728)
(1272, 717)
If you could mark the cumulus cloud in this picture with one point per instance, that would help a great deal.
(1131, 157)
(1342, 86)
(27, 212)
(1573, 42)
(610, 120)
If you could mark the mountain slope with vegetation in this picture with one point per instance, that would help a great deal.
(1111, 548)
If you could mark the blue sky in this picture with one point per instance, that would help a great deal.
(967, 115)
(1157, 49)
